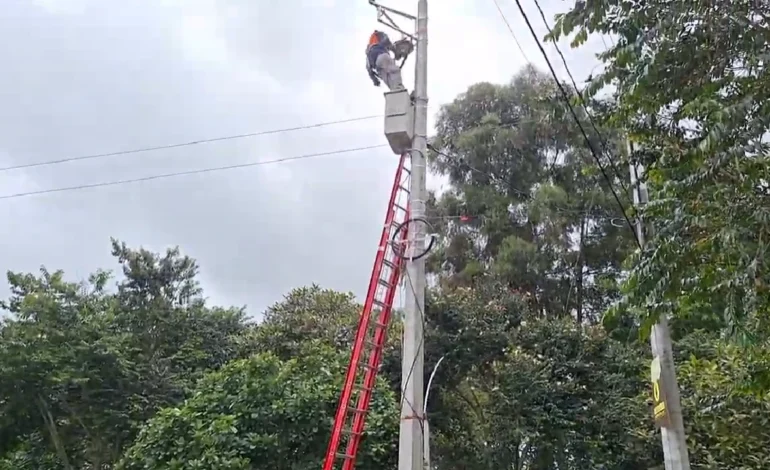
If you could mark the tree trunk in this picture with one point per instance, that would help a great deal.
(579, 271)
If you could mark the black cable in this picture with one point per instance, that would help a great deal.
(189, 172)
(184, 144)
(577, 121)
(602, 140)
(401, 227)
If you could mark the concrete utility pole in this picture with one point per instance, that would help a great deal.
(666, 400)
(410, 449)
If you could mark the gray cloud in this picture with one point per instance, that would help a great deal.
(90, 76)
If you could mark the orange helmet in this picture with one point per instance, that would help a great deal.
(374, 38)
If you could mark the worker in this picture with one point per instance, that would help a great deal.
(380, 64)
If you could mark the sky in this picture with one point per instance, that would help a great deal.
(83, 77)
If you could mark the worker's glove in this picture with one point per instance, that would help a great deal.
(375, 81)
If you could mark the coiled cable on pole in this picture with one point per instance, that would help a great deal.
(402, 253)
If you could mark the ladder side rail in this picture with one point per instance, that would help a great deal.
(375, 358)
(363, 326)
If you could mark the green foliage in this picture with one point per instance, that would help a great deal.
(568, 389)
(540, 220)
(726, 398)
(307, 314)
(312, 314)
(533, 250)
(263, 412)
(470, 328)
(533, 393)
(82, 367)
(692, 89)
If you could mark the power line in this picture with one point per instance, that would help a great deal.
(602, 140)
(602, 37)
(189, 172)
(577, 121)
(502, 15)
(186, 144)
(526, 58)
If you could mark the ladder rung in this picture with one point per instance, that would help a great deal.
(352, 433)
(380, 325)
(389, 264)
(343, 456)
(356, 410)
(366, 366)
(384, 283)
(403, 188)
(373, 344)
(361, 388)
(379, 303)
(400, 207)
(407, 170)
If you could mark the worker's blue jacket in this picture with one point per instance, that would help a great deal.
(374, 51)
(379, 43)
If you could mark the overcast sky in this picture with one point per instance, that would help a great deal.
(93, 76)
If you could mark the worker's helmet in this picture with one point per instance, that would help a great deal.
(377, 37)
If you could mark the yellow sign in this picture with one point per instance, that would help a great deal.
(659, 408)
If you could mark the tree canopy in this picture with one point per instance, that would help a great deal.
(263, 412)
(539, 304)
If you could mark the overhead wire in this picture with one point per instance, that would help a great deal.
(593, 125)
(185, 144)
(510, 29)
(591, 148)
(524, 54)
(604, 41)
(590, 117)
(190, 172)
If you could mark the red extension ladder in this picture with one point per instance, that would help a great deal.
(372, 328)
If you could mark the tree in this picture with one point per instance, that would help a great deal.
(312, 314)
(64, 374)
(536, 213)
(537, 393)
(82, 367)
(692, 91)
(304, 315)
(264, 412)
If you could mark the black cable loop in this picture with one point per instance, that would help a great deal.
(401, 253)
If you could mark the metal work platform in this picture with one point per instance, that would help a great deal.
(399, 120)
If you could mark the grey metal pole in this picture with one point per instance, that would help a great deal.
(672, 434)
(410, 451)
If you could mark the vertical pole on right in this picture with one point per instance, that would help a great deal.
(411, 435)
(666, 396)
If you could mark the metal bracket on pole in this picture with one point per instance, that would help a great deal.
(384, 18)
(406, 45)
